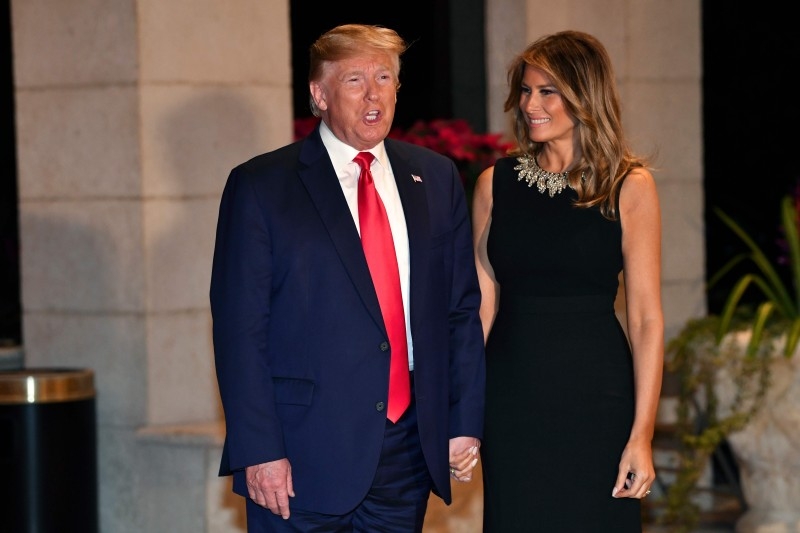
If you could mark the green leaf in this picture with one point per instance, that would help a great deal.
(731, 304)
(789, 219)
(782, 296)
(762, 314)
(792, 338)
(727, 267)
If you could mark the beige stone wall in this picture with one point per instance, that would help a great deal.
(130, 113)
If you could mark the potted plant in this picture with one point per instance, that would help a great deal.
(740, 383)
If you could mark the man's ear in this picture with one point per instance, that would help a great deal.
(318, 94)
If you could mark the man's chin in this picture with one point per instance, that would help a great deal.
(372, 136)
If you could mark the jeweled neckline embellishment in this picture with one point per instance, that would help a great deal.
(552, 182)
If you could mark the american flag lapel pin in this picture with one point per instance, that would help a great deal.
(416, 178)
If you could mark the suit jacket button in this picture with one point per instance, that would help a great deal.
(384, 346)
(380, 406)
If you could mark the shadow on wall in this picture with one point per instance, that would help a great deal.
(191, 147)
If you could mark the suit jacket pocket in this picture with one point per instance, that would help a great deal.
(293, 391)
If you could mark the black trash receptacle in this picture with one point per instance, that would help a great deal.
(48, 451)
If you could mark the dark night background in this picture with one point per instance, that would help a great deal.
(10, 325)
(428, 52)
(748, 58)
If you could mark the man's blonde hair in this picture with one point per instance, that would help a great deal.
(350, 40)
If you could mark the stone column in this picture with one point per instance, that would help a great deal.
(130, 113)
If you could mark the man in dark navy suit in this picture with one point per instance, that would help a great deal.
(302, 346)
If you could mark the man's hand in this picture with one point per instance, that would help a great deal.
(270, 485)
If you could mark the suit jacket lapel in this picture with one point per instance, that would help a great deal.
(319, 177)
(415, 207)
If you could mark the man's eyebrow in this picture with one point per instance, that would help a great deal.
(352, 72)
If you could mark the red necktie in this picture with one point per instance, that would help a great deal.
(376, 238)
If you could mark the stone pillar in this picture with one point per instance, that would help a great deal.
(130, 113)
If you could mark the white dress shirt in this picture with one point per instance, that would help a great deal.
(348, 171)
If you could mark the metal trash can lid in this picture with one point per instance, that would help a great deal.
(45, 385)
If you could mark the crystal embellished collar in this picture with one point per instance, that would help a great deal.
(530, 171)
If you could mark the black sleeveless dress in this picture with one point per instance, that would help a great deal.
(559, 395)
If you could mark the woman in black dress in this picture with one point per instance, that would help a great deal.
(571, 397)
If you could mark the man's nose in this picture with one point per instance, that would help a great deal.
(372, 91)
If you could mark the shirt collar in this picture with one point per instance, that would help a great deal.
(342, 154)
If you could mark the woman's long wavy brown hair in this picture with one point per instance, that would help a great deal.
(579, 67)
